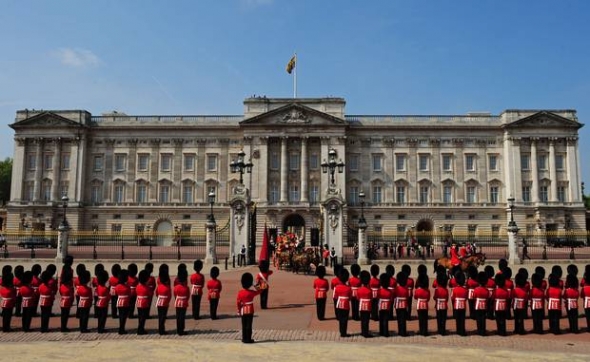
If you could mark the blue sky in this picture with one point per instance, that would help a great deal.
(383, 57)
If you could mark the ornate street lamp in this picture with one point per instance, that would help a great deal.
(512, 224)
(149, 227)
(178, 232)
(239, 166)
(331, 165)
(65, 200)
(95, 235)
(362, 221)
(211, 199)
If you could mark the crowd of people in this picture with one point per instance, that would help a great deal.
(484, 295)
(127, 293)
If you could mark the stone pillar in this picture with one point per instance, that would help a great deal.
(552, 171)
(38, 169)
(333, 227)
(18, 167)
(62, 243)
(573, 164)
(284, 171)
(534, 171)
(55, 194)
(210, 256)
(304, 170)
(362, 257)
(412, 171)
(512, 249)
(240, 225)
(260, 181)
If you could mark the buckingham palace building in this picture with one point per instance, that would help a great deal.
(302, 165)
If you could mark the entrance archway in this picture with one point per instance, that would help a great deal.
(295, 224)
(164, 233)
(424, 229)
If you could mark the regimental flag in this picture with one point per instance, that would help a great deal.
(264, 249)
(291, 64)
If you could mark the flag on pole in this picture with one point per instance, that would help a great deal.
(291, 64)
(264, 249)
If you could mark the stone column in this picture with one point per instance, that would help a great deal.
(38, 169)
(62, 243)
(284, 171)
(573, 163)
(552, 171)
(260, 169)
(304, 170)
(55, 194)
(211, 256)
(18, 167)
(412, 172)
(534, 171)
(80, 171)
(362, 257)
(512, 249)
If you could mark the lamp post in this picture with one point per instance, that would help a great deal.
(331, 165)
(363, 258)
(210, 256)
(62, 236)
(178, 233)
(149, 227)
(95, 235)
(239, 166)
(512, 231)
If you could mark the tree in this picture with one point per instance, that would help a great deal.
(5, 180)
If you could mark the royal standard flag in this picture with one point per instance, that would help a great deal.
(291, 64)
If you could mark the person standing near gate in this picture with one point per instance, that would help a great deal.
(525, 250)
(214, 292)
(242, 256)
(197, 284)
(262, 282)
(333, 258)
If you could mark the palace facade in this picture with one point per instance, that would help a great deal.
(418, 173)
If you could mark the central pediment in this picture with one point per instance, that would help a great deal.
(294, 114)
(45, 120)
(544, 119)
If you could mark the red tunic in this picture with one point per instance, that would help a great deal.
(245, 301)
(333, 284)
(164, 293)
(500, 297)
(182, 294)
(85, 293)
(214, 289)
(28, 295)
(35, 283)
(321, 286)
(401, 297)
(8, 297)
(143, 296)
(104, 296)
(132, 282)
(197, 283)
(422, 296)
(491, 285)
(481, 296)
(570, 297)
(151, 283)
(263, 278)
(454, 257)
(53, 284)
(537, 298)
(374, 284)
(113, 281)
(585, 294)
(554, 296)
(441, 298)
(471, 285)
(519, 298)
(410, 287)
(459, 297)
(364, 295)
(123, 292)
(385, 298)
(67, 295)
(46, 295)
(342, 294)
(355, 284)
(509, 285)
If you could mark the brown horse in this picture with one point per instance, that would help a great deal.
(476, 259)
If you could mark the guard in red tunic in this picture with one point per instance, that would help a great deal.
(245, 305)
(401, 303)
(355, 283)
(491, 285)
(151, 283)
(142, 301)
(103, 296)
(66, 291)
(459, 300)
(537, 298)
(441, 301)
(519, 303)
(342, 294)
(197, 285)
(554, 296)
(28, 295)
(46, 299)
(585, 295)
(471, 285)
(365, 297)
(35, 283)
(19, 270)
(509, 286)
(262, 279)
(84, 292)
(334, 282)
(163, 295)
(410, 287)
(422, 296)
(571, 296)
(123, 292)
(320, 286)
(132, 283)
(500, 298)
(98, 268)
(113, 280)
(374, 284)
(214, 292)
(182, 294)
(8, 295)
(390, 270)
(481, 295)
(385, 301)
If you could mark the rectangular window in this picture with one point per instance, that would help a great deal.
(470, 162)
(189, 163)
(353, 162)
(31, 161)
(141, 193)
(495, 232)
(353, 195)
(65, 161)
(211, 163)
(187, 194)
(294, 161)
(471, 194)
(423, 194)
(561, 193)
(400, 162)
(274, 161)
(423, 162)
(377, 163)
(447, 194)
(119, 193)
(97, 163)
(120, 162)
(377, 194)
(471, 231)
(494, 194)
(314, 194)
(143, 162)
(274, 194)
(29, 191)
(542, 162)
(314, 162)
(400, 194)
(96, 194)
(294, 193)
(446, 162)
(493, 162)
(116, 228)
(525, 162)
(164, 193)
(559, 162)
(63, 188)
(165, 162)
(544, 193)
(526, 193)
(46, 191)
(48, 161)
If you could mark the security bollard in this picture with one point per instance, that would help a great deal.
(226, 262)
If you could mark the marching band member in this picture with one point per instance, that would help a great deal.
(343, 293)
(132, 282)
(84, 293)
(571, 295)
(554, 295)
(401, 303)
(103, 296)
(410, 286)
(390, 270)
(27, 295)
(142, 301)
(422, 296)
(181, 293)
(500, 298)
(519, 303)
(537, 298)
(163, 295)
(245, 304)
(197, 284)
(459, 299)
(374, 284)
(385, 302)
(46, 299)
(365, 297)
(441, 301)
(66, 291)
(8, 294)
(481, 295)
(321, 286)
(471, 285)
(214, 291)
(355, 283)
(123, 292)
(113, 280)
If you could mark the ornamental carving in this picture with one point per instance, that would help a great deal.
(295, 116)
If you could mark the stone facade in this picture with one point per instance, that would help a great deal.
(124, 172)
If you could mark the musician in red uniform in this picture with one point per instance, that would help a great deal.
(132, 282)
(66, 291)
(123, 293)
(19, 270)
(491, 285)
(151, 283)
(80, 268)
(355, 283)
(8, 295)
(46, 299)
(262, 281)
(214, 288)
(27, 294)
(103, 296)
(554, 296)
(509, 286)
(181, 294)
(334, 282)
(35, 283)
(374, 284)
(585, 295)
(500, 298)
(571, 296)
(197, 285)
(320, 286)
(390, 270)
(481, 295)
(519, 303)
(365, 297)
(142, 301)
(163, 295)
(84, 292)
(441, 301)
(245, 305)
(385, 300)
(537, 298)
(410, 285)
(342, 294)
(471, 285)
(459, 299)
(401, 303)
(422, 296)
(98, 268)
(113, 280)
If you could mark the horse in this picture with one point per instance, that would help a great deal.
(476, 259)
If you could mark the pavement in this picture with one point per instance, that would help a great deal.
(288, 330)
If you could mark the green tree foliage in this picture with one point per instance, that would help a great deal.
(5, 179)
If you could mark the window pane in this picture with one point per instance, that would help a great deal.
(274, 160)
(525, 162)
(211, 162)
(376, 163)
(189, 162)
(400, 162)
(294, 161)
(353, 162)
(314, 162)
(446, 162)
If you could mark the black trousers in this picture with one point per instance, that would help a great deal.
(65, 315)
(320, 307)
(409, 309)
(247, 320)
(27, 317)
(587, 313)
(6, 319)
(391, 317)
(572, 316)
(519, 316)
(18, 306)
(132, 300)
(45, 317)
(554, 316)
(480, 319)
(101, 315)
(501, 316)
(84, 315)
(538, 316)
(123, 314)
(459, 315)
(264, 299)
(114, 311)
(423, 322)
(401, 322)
(354, 305)
(441, 321)
(365, 318)
(162, 314)
(180, 320)
(213, 303)
(374, 309)
(196, 300)
(142, 315)
(471, 303)
(384, 322)
(342, 316)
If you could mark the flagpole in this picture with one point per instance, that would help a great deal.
(295, 78)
